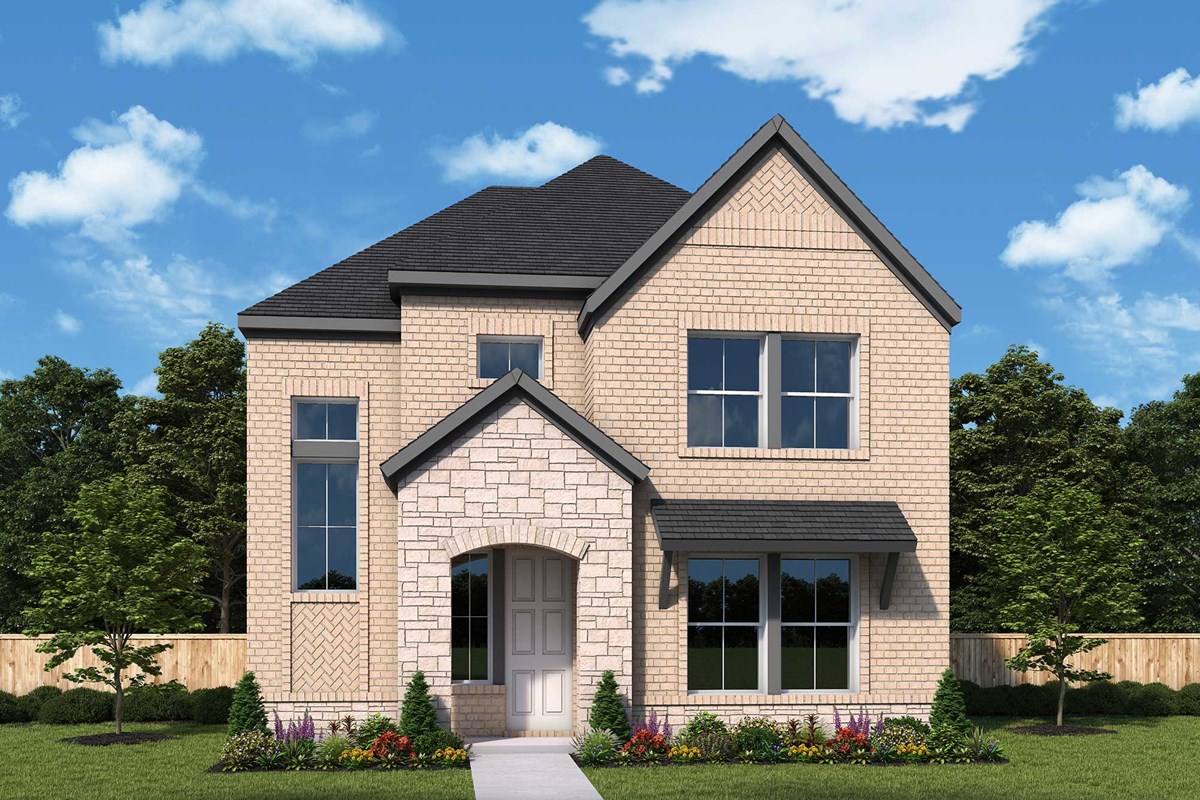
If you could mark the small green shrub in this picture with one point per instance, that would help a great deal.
(246, 750)
(608, 712)
(1101, 697)
(329, 752)
(78, 706)
(247, 711)
(705, 722)
(374, 726)
(1188, 700)
(908, 722)
(595, 747)
(898, 732)
(949, 708)
(441, 739)
(1030, 700)
(211, 706)
(165, 702)
(713, 745)
(417, 714)
(31, 703)
(11, 710)
(755, 734)
(1153, 700)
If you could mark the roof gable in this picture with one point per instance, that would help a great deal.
(777, 133)
(515, 384)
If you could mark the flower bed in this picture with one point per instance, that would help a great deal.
(758, 740)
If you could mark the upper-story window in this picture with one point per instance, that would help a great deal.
(816, 381)
(325, 494)
(499, 354)
(724, 391)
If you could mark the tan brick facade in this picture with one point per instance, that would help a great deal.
(773, 256)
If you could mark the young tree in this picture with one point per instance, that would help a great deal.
(417, 714)
(247, 711)
(1066, 563)
(608, 712)
(192, 441)
(55, 436)
(118, 570)
(949, 707)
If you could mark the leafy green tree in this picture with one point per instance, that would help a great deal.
(1165, 437)
(120, 569)
(417, 714)
(608, 712)
(247, 713)
(1064, 558)
(55, 436)
(192, 441)
(1012, 427)
(949, 709)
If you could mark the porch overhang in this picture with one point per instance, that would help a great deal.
(782, 526)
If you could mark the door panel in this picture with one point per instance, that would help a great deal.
(539, 643)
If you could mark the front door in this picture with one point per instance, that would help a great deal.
(539, 633)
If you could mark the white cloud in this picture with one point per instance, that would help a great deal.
(238, 207)
(126, 173)
(541, 152)
(616, 76)
(171, 301)
(1115, 223)
(371, 151)
(297, 31)
(6, 299)
(11, 114)
(66, 323)
(1164, 106)
(878, 63)
(1169, 311)
(1037, 347)
(349, 127)
(1115, 333)
(146, 386)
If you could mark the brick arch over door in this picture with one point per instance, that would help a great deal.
(529, 535)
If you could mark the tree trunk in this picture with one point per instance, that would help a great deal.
(1062, 699)
(120, 699)
(227, 580)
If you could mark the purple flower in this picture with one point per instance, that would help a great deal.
(666, 727)
(879, 724)
(278, 727)
(837, 720)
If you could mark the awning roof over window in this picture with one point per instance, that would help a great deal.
(777, 526)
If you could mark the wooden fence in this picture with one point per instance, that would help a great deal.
(1170, 658)
(199, 661)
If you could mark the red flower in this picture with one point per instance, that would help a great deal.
(390, 742)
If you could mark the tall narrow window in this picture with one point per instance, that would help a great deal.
(724, 391)
(815, 613)
(818, 393)
(724, 623)
(497, 355)
(469, 617)
(325, 485)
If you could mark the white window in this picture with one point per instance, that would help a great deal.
(497, 355)
(325, 495)
(818, 407)
(724, 391)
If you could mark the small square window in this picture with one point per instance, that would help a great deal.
(323, 420)
(498, 355)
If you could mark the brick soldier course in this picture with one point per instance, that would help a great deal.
(611, 272)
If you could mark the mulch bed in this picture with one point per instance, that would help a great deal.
(105, 739)
(1060, 730)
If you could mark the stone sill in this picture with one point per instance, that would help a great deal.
(476, 688)
(797, 699)
(776, 454)
(326, 597)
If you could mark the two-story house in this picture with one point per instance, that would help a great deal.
(698, 439)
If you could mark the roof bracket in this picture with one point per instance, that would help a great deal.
(664, 580)
(889, 578)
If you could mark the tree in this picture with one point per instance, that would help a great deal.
(192, 441)
(949, 709)
(1066, 561)
(119, 569)
(1012, 427)
(608, 712)
(1165, 437)
(247, 712)
(417, 715)
(55, 436)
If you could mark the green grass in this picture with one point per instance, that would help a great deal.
(35, 763)
(1156, 757)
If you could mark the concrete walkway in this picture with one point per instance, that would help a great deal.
(530, 767)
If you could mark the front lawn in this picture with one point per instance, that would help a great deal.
(35, 763)
(1157, 757)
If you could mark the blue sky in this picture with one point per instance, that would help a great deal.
(165, 162)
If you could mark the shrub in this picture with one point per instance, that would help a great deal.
(374, 726)
(298, 753)
(245, 750)
(166, 702)
(1153, 700)
(246, 711)
(808, 731)
(908, 722)
(970, 690)
(329, 752)
(1188, 699)
(596, 746)
(417, 714)
(1030, 700)
(645, 745)
(705, 722)
(608, 712)
(755, 734)
(11, 710)
(357, 757)
(295, 729)
(449, 757)
(211, 706)
(949, 708)
(991, 700)
(31, 703)
(440, 739)
(1101, 697)
(391, 744)
(77, 706)
(715, 746)
(898, 732)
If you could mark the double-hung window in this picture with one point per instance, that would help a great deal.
(816, 619)
(724, 391)
(469, 599)
(724, 624)
(325, 486)
(816, 379)
(496, 355)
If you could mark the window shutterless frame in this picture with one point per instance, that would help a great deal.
(852, 665)
(490, 558)
(297, 402)
(852, 395)
(326, 452)
(486, 339)
(723, 392)
(760, 626)
(296, 526)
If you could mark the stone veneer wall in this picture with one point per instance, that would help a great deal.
(477, 710)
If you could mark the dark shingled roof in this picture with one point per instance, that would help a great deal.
(585, 222)
(859, 525)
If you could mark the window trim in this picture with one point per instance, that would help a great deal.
(481, 338)
(761, 625)
(853, 437)
(852, 642)
(761, 394)
(490, 555)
